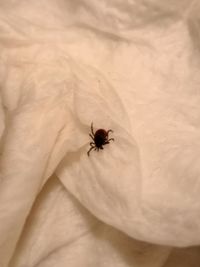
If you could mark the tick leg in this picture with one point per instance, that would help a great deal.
(109, 131)
(91, 136)
(111, 139)
(101, 147)
(92, 147)
(92, 143)
(92, 130)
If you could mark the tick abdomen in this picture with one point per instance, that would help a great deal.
(100, 137)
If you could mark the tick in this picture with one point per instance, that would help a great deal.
(100, 138)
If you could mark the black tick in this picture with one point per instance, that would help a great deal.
(100, 138)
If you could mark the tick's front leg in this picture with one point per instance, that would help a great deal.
(92, 130)
(91, 137)
(109, 131)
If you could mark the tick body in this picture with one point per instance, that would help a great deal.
(100, 138)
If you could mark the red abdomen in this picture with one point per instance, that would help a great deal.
(100, 137)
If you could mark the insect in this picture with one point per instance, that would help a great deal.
(100, 138)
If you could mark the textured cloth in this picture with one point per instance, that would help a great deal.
(130, 66)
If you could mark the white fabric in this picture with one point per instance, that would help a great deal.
(129, 66)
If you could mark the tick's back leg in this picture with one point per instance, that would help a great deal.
(92, 147)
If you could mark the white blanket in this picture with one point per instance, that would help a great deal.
(130, 66)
